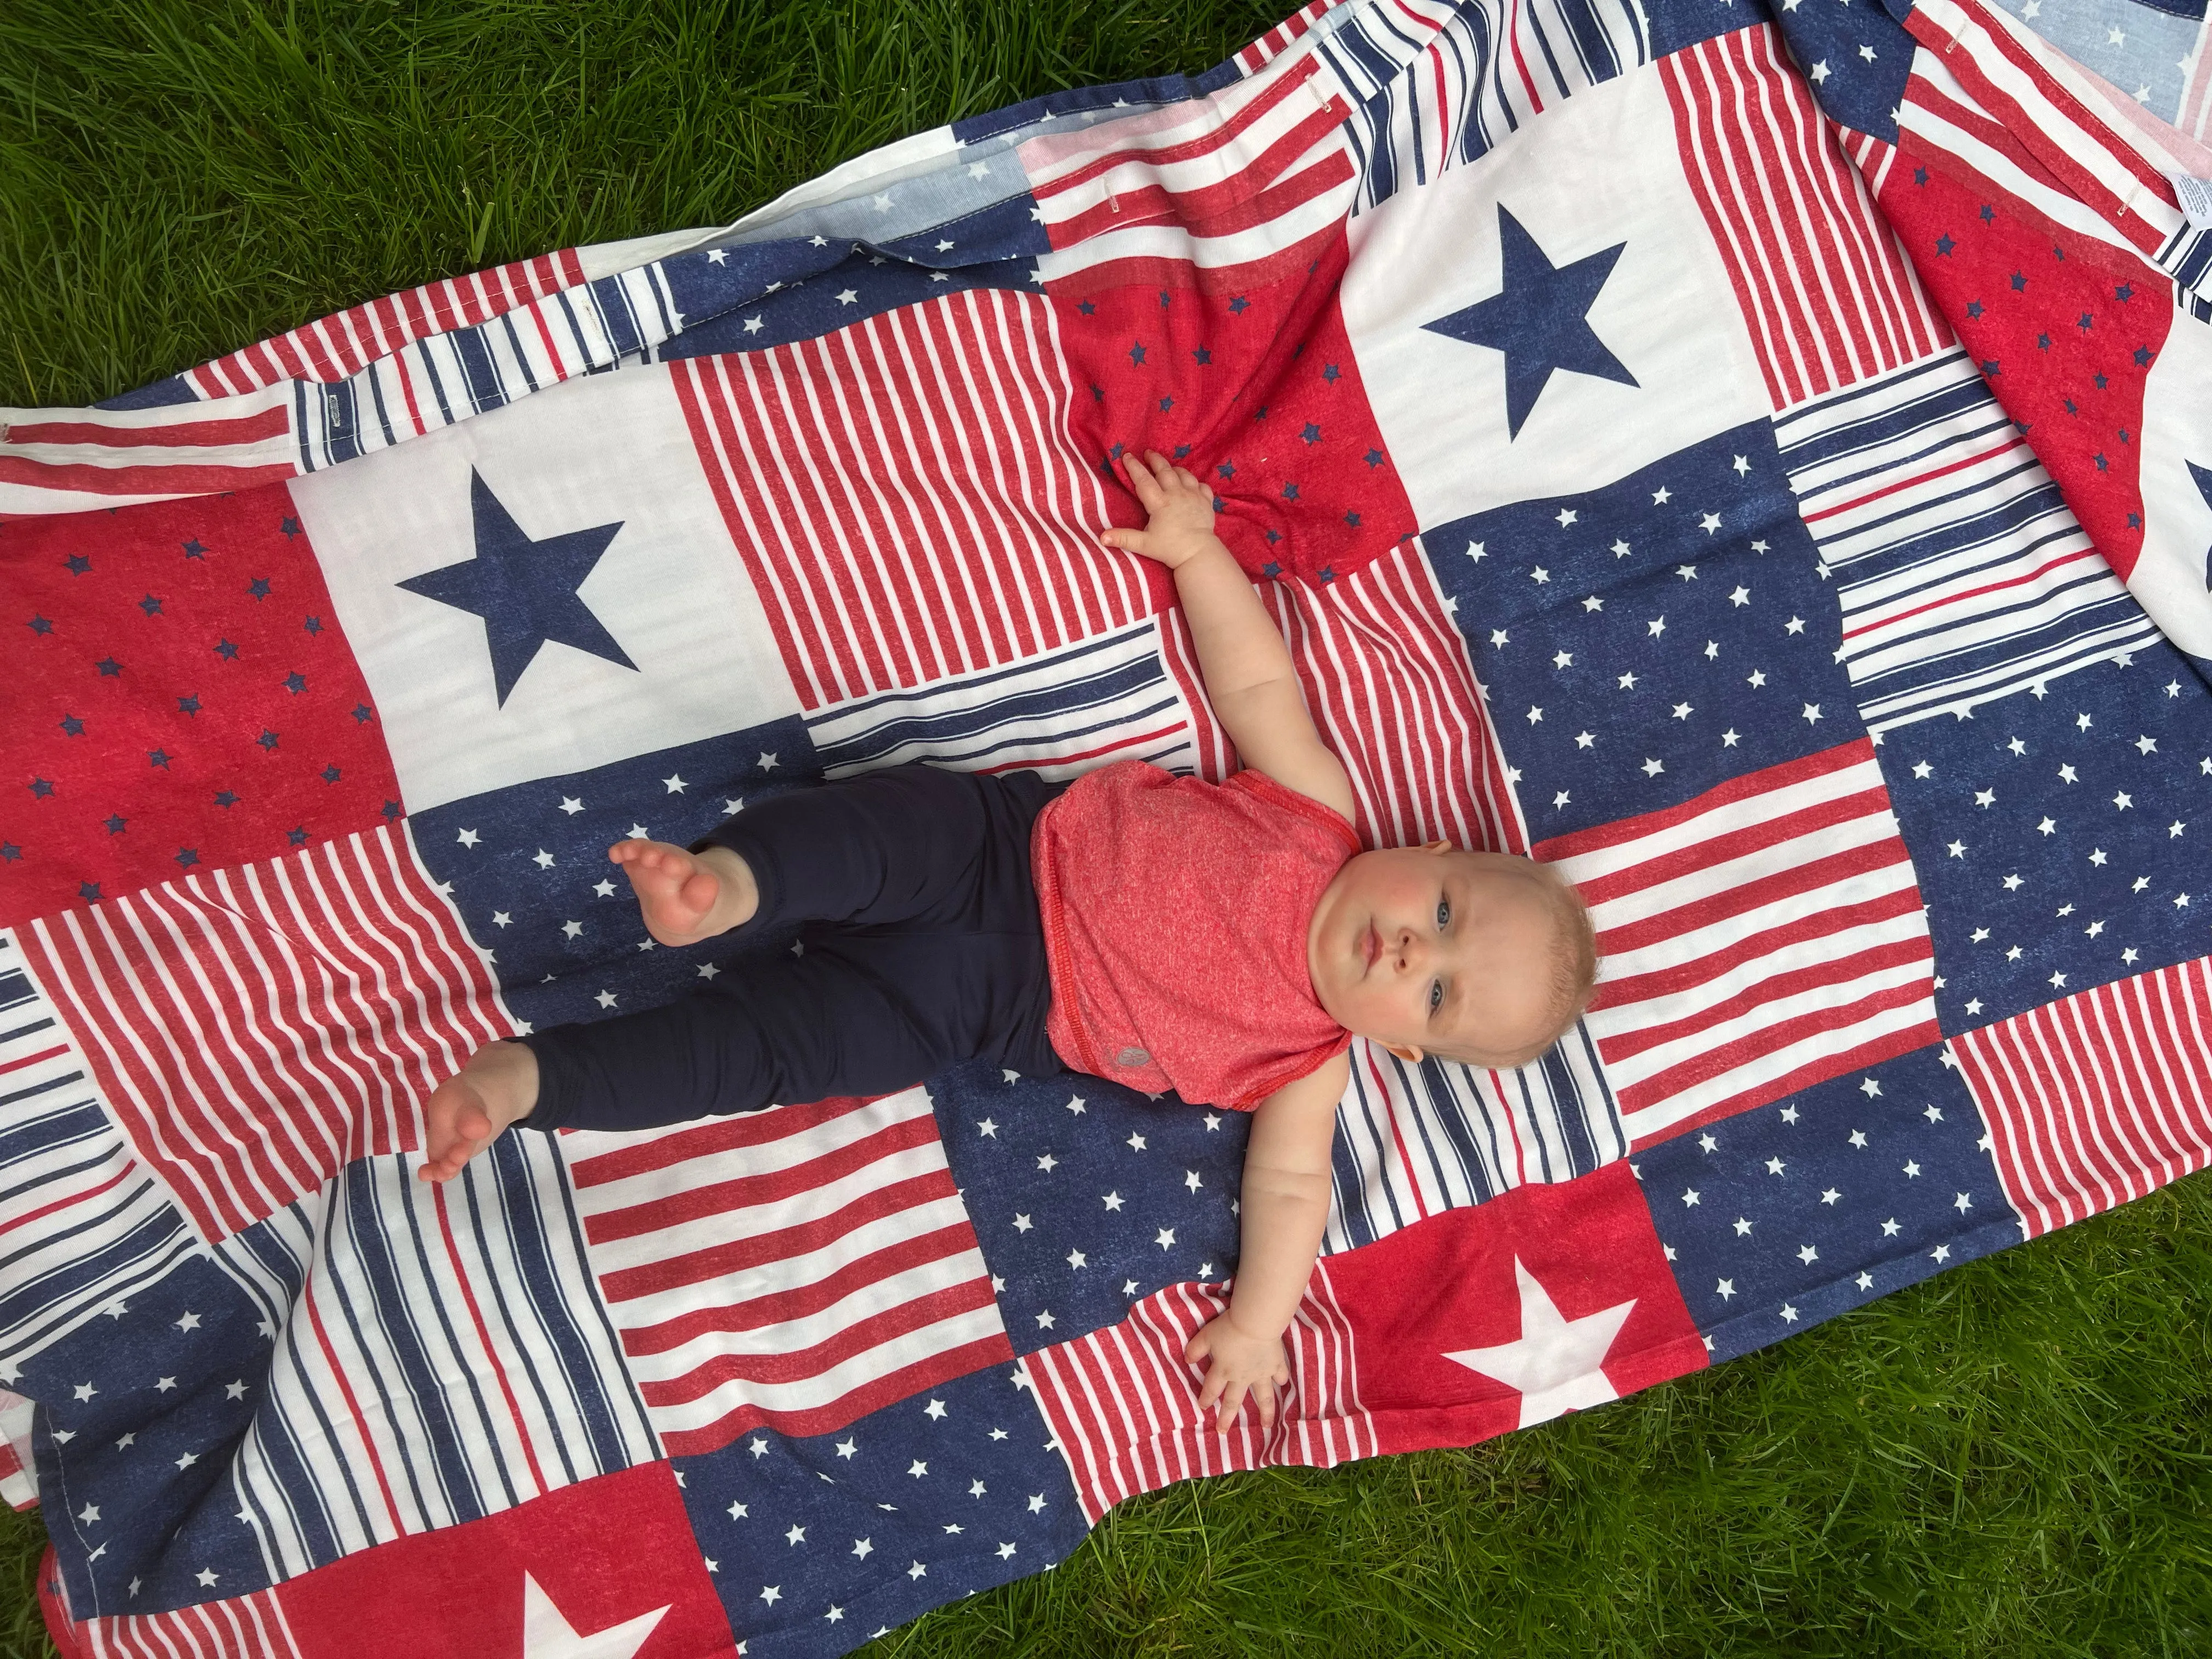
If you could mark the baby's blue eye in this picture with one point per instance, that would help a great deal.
(1443, 912)
(1436, 994)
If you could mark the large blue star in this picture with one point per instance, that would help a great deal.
(1539, 320)
(2204, 478)
(525, 591)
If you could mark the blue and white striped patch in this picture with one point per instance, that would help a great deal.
(1427, 102)
(1109, 698)
(446, 378)
(444, 1355)
(82, 1222)
(1412, 1141)
(1961, 573)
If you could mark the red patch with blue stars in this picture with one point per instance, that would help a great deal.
(1256, 391)
(183, 695)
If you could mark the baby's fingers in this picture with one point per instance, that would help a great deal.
(1263, 1395)
(1232, 1401)
(1141, 480)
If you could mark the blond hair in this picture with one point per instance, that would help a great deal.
(1574, 972)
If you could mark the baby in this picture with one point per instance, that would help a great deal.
(1222, 941)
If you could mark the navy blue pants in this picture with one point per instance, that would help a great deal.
(921, 949)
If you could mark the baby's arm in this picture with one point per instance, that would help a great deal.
(1284, 1206)
(1248, 674)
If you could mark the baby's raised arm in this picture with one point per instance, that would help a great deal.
(1248, 674)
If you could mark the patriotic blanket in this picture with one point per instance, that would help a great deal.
(1762, 464)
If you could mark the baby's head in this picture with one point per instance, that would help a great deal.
(1482, 957)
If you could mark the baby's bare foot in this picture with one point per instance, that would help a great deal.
(684, 897)
(675, 891)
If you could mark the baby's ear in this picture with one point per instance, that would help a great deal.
(1411, 1057)
(1437, 847)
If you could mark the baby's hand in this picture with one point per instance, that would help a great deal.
(1241, 1362)
(469, 1110)
(1181, 523)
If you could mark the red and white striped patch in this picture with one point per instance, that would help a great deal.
(890, 543)
(239, 1627)
(1231, 189)
(342, 344)
(254, 1029)
(120, 456)
(1827, 295)
(2095, 1099)
(1123, 1403)
(799, 1268)
(1270, 46)
(1387, 679)
(1758, 938)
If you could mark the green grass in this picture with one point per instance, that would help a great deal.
(2012, 1459)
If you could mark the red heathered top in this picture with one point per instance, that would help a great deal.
(1174, 924)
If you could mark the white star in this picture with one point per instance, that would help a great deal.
(752, 325)
(1165, 1237)
(1136, 1143)
(1557, 1364)
(987, 1129)
(572, 928)
(1689, 1197)
(1022, 1223)
(205, 1575)
(1742, 1228)
(189, 1321)
(1077, 1259)
(544, 861)
(933, 1410)
(467, 838)
(1820, 73)
(1710, 522)
(1661, 495)
(1829, 1196)
(917, 1468)
(1566, 517)
(1036, 1503)
(916, 1570)
(796, 1535)
(861, 1546)
(1113, 1200)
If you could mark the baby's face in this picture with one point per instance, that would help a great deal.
(1427, 947)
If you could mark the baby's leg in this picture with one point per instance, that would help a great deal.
(688, 896)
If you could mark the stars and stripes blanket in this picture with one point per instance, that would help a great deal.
(1762, 464)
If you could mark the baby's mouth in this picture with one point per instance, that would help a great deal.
(1373, 946)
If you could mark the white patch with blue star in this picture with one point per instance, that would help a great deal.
(1521, 322)
(543, 589)
(2172, 576)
